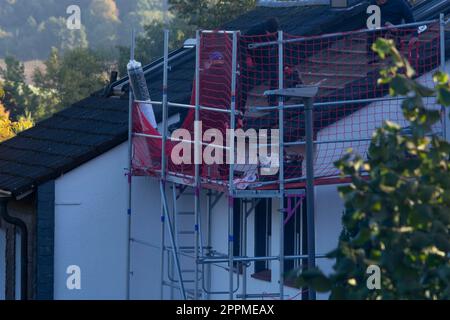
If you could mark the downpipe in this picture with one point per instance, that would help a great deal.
(20, 224)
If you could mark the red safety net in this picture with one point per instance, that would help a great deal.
(215, 94)
(349, 106)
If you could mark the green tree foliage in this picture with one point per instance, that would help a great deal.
(54, 33)
(8, 128)
(136, 15)
(30, 28)
(18, 98)
(103, 19)
(67, 78)
(210, 13)
(72, 76)
(397, 206)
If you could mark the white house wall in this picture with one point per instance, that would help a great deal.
(91, 231)
(90, 228)
(146, 231)
(146, 234)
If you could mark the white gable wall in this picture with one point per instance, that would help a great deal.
(90, 227)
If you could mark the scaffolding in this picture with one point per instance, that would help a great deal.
(230, 93)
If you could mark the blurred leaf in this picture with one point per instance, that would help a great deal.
(316, 279)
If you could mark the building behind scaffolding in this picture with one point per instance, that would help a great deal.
(98, 187)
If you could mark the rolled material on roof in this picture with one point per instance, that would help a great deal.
(140, 90)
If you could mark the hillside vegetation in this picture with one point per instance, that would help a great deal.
(63, 66)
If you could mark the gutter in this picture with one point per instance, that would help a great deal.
(23, 245)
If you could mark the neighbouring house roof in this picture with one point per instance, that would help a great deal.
(97, 124)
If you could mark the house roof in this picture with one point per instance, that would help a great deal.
(97, 124)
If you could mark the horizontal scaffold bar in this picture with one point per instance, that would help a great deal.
(317, 105)
(339, 34)
(189, 106)
(152, 136)
(206, 260)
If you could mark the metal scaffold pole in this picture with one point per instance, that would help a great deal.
(208, 243)
(129, 175)
(164, 105)
(310, 189)
(165, 212)
(172, 240)
(244, 248)
(230, 246)
(163, 246)
(163, 159)
(197, 232)
(281, 158)
(232, 159)
(175, 231)
(163, 163)
(197, 157)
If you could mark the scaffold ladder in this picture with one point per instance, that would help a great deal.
(188, 241)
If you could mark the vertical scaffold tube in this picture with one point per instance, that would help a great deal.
(208, 243)
(232, 159)
(310, 189)
(197, 235)
(169, 225)
(281, 158)
(163, 155)
(129, 175)
(197, 151)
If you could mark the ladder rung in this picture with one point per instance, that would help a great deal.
(257, 295)
(181, 247)
(191, 293)
(184, 232)
(186, 213)
(169, 284)
(175, 282)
